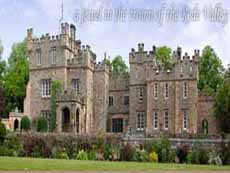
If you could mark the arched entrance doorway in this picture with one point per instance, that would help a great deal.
(16, 124)
(66, 127)
(77, 120)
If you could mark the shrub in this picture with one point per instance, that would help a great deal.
(62, 155)
(2, 132)
(150, 146)
(153, 157)
(127, 152)
(225, 154)
(5, 151)
(198, 156)
(214, 159)
(82, 155)
(92, 155)
(37, 151)
(14, 144)
(59, 153)
(162, 148)
(203, 156)
(25, 123)
(140, 155)
(172, 155)
(115, 153)
(182, 153)
(42, 124)
(193, 157)
(108, 152)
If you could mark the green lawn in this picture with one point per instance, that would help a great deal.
(12, 163)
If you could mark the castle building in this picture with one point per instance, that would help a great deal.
(149, 100)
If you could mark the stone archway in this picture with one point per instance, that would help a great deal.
(66, 125)
(77, 120)
(16, 124)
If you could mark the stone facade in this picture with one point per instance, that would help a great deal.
(148, 100)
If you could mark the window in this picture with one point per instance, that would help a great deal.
(155, 90)
(166, 90)
(140, 121)
(76, 85)
(46, 88)
(110, 100)
(155, 120)
(166, 120)
(185, 120)
(38, 56)
(141, 94)
(117, 125)
(185, 90)
(53, 55)
(126, 100)
(205, 126)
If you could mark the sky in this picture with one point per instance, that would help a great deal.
(118, 37)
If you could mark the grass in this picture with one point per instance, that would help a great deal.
(14, 163)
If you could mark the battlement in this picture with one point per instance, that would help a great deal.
(178, 58)
(85, 57)
(141, 55)
(68, 33)
(101, 66)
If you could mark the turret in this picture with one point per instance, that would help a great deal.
(142, 56)
(141, 47)
(72, 32)
(65, 28)
(30, 39)
(196, 56)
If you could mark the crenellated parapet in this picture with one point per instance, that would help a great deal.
(142, 56)
(85, 57)
(183, 66)
(66, 38)
(101, 66)
(68, 50)
(178, 58)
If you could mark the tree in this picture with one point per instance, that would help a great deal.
(2, 70)
(163, 55)
(2, 63)
(42, 124)
(25, 123)
(16, 77)
(55, 88)
(1, 49)
(227, 72)
(2, 132)
(222, 105)
(210, 71)
(119, 66)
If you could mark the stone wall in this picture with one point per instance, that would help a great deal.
(205, 112)
(100, 97)
(118, 89)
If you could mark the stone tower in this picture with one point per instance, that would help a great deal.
(163, 100)
(62, 58)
